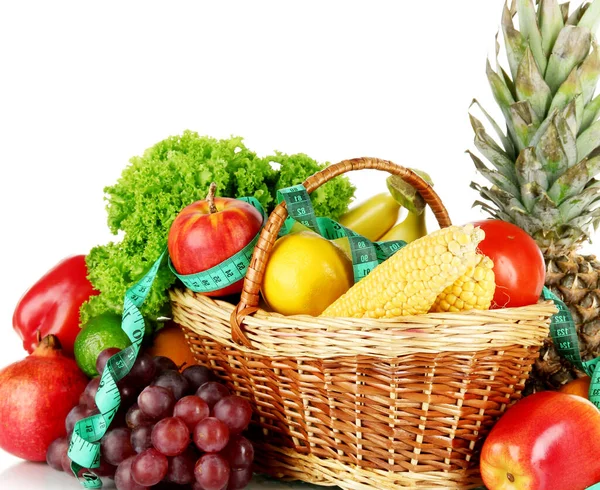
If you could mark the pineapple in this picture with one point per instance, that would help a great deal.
(542, 174)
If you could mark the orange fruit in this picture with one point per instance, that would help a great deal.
(170, 342)
(579, 387)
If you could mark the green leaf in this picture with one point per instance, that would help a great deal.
(494, 176)
(591, 18)
(529, 169)
(501, 92)
(492, 211)
(543, 128)
(506, 142)
(529, 194)
(589, 73)
(544, 207)
(530, 85)
(589, 140)
(551, 22)
(568, 91)
(515, 43)
(567, 139)
(571, 48)
(564, 8)
(585, 221)
(569, 114)
(505, 202)
(576, 16)
(525, 122)
(490, 149)
(579, 204)
(530, 31)
(574, 180)
(550, 152)
(590, 113)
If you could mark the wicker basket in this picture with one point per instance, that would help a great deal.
(362, 403)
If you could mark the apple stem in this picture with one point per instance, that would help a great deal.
(212, 208)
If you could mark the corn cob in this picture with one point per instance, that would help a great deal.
(409, 282)
(473, 290)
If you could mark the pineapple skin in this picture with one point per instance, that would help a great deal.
(576, 280)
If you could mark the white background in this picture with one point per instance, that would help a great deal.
(85, 86)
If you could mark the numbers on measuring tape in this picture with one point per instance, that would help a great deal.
(564, 336)
(366, 255)
(226, 273)
(84, 445)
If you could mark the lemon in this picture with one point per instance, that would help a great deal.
(305, 274)
(100, 333)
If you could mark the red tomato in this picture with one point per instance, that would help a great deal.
(518, 263)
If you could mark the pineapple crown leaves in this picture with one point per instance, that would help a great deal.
(543, 170)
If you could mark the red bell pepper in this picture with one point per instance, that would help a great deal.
(51, 305)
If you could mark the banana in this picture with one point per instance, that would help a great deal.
(413, 226)
(374, 217)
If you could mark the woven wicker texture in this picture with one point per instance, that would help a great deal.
(361, 403)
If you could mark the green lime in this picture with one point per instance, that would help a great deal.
(99, 333)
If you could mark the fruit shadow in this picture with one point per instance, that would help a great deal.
(39, 476)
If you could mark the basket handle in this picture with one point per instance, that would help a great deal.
(250, 294)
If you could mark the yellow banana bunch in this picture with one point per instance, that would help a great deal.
(374, 217)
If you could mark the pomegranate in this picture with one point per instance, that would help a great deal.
(36, 394)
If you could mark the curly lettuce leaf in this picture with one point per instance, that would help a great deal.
(156, 186)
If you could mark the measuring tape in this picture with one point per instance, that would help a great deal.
(84, 446)
(366, 255)
(227, 272)
(564, 336)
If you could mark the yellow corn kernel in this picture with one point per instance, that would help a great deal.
(416, 284)
(473, 290)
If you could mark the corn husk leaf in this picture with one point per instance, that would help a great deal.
(506, 142)
(589, 73)
(531, 87)
(590, 113)
(551, 22)
(525, 122)
(571, 48)
(551, 153)
(515, 43)
(579, 204)
(570, 90)
(589, 140)
(574, 180)
(490, 149)
(529, 169)
(530, 31)
(494, 176)
(591, 18)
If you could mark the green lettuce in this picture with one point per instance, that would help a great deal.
(173, 173)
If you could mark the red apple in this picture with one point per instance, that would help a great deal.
(210, 231)
(547, 441)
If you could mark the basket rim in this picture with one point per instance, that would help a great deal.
(276, 335)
